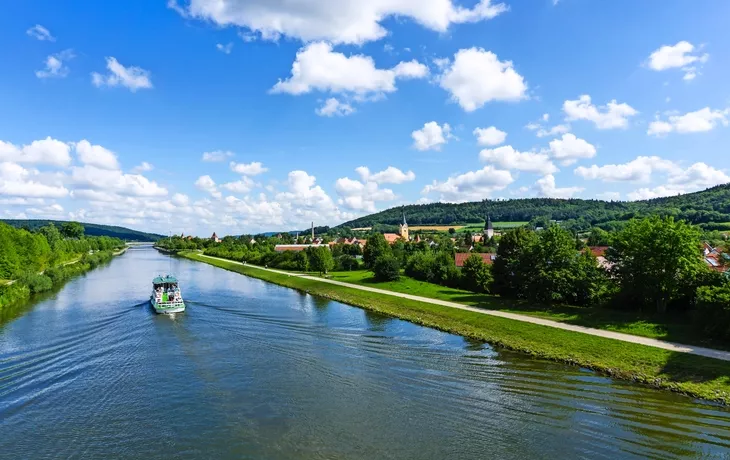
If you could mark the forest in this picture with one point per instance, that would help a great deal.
(122, 233)
(709, 208)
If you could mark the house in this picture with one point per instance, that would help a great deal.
(599, 252)
(391, 237)
(460, 257)
(715, 259)
(215, 238)
(297, 247)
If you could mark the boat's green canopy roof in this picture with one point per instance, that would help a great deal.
(164, 279)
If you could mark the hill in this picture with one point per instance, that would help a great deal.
(710, 207)
(90, 229)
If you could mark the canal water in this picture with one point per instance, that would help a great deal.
(253, 370)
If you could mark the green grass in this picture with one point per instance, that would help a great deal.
(676, 328)
(693, 375)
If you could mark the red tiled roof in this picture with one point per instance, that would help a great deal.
(460, 257)
(391, 237)
(598, 251)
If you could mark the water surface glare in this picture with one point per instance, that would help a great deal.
(253, 370)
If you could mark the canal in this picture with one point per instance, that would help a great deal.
(253, 370)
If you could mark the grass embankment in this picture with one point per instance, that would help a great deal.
(30, 284)
(674, 328)
(693, 375)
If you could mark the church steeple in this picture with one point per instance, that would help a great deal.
(403, 228)
(488, 228)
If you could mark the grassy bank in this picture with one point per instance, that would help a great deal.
(27, 286)
(693, 375)
(673, 328)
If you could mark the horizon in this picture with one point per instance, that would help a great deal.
(243, 119)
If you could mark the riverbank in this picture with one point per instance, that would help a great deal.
(23, 289)
(697, 376)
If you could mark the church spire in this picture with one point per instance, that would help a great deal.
(404, 217)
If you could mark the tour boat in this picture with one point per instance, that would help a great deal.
(166, 297)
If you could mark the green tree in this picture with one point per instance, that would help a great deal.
(53, 236)
(476, 275)
(387, 268)
(655, 260)
(511, 267)
(375, 248)
(452, 231)
(599, 237)
(302, 261)
(551, 266)
(72, 230)
(320, 259)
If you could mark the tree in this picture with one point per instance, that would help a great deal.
(320, 259)
(72, 230)
(599, 237)
(302, 261)
(452, 231)
(655, 259)
(347, 263)
(476, 275)
(375, 248)
(551, 266)
(53, 236)
(386, 268)
(511, 267)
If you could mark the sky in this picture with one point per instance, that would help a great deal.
(243, 116)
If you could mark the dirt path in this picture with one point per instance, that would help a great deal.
(699, 351)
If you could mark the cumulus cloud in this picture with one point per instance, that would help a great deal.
(142, 167)
(490, 136)
(702, 120)
(569, 149)
(248, 169)
(546, 187)
(361, 196)
(333, 107)
(242, 186)
(506, 157)
(207, 184)
(611, 116)
(133, 78)
(638, 170)
(390, 175)
(114, 182)
(17, 181)
(336, 21)
(684, 55)
(45, 151)
(225, 49)
(40, 33)
(96, 155)
(217, 156)
(318, 68)
(55, 67)
(470, 186)
(476, 77)
(432, 136)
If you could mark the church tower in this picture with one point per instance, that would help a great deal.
(403, 228)
(488, 229)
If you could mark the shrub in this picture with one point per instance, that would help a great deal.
(36, 283)
(476, 276)
(386, 268)
(712, 315)
(347, 263)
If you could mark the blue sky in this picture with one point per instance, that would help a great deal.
(326, 110)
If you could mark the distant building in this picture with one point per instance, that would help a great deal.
(215, 238)
(403, 228)
(297, 247)
(599, 252)
(488, 229)
(716, 260)
(460, 257)
(391, 237)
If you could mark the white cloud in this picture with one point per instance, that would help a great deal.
(611, 116)
(206, 184)
(555, 130)
(693, 122)
(638, 170)
(473, 185)
(333, 106)
(20, 182)
(245, 185)
(133, 78)
(40, 33)
(361, 196)
(683, 55)
(506, 157)
(318, 68)
(697, 176)
(545, 186)
(216, 156)
(609, 196)
(336, 21)
(225, 49)
(432, 136)
(55, 65)
(143, 167)
(477, 76)
(248, 169)
(570, 149)
(96, 155)
(46, 151)
(114, 182)
(490, 136)
(180, 199)
(390, 175)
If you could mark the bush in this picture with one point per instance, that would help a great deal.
(386, 268)
(347, 263)
(476, 276)
(36, 283)
(712, 315)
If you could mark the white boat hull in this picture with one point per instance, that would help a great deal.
(167, 307)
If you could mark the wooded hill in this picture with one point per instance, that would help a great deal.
(122, 233)
(710, 208)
